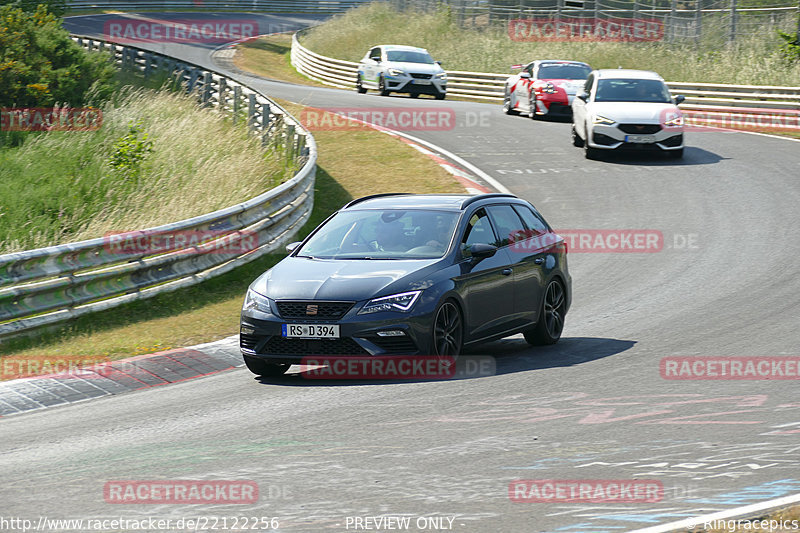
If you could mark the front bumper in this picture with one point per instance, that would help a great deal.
(407, 84)
(260, 335)
(612, 137)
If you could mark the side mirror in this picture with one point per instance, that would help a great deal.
(582, 96)
(291, 247)
(438, 63)
(525, 75)
(376, 59)
(679, 99)
(480, 251)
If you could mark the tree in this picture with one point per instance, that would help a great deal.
(40, 66)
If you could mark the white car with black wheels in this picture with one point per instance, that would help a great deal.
(390, 68)
(627, 110)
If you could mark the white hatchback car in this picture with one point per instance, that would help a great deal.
(627, 110)
(392, 68)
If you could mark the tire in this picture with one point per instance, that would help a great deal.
(441, 96)
(576, 139)
(551, 320)
(590, 153)
(447, 337)
(413, 95)
(532, 105)
(676, 154)
(359, 88)
(382, 87)
(507, 105)
(260, 367)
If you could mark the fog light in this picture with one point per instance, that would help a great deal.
(247, 331)
(392, 333)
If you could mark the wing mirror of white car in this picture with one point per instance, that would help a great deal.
(582, 96)
(679, 99)
(291, 247)
(438, 63)
(525, 75)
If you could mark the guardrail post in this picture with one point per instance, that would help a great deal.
(266, 118)
(289, 146)
(251, 112)
(147, 59)
(206, 94)
(222, 93)
(237, 95)
(698, 22)
(194, 74)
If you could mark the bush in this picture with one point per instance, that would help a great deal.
(791, 46)
(40, 66)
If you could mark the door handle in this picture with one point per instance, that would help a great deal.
(539, 260)
(506, 272)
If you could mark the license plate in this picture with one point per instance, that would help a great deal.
(640, 139)
(422, 82)
(310, 331)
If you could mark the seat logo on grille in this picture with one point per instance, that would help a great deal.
(312, 310)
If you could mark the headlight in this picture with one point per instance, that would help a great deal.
(402, 302)
(256, 301)
(396, 72)
(674, 122)
(549, 88)
(603, 120)
(442, 76)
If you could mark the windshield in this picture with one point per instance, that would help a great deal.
(383, 234)
(622, 90)
(406, 56)
(564, 71)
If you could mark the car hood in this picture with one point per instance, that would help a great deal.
(634, 112)
(300, 278)
(422, 68)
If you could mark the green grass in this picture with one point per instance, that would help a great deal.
(62, 186)
(753, 60)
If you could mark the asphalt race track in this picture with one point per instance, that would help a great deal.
(725, 283)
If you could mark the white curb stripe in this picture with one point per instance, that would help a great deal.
(691, 523)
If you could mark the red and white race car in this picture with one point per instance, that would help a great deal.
(544, 87)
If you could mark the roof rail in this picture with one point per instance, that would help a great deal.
(477, 197)
(371, 196)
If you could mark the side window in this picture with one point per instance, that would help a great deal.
(533, 224)
(375, 54)
(508, 224)
(479, 230)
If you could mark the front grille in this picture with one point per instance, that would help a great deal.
(420, 76)
(640, 129)
(248, 342)
(675, 140)
(302, 347)
(395, 345)
(604, 140)
(325, 310)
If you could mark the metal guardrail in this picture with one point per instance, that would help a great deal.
(702, 99)
(49, 285)
(270, 6)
